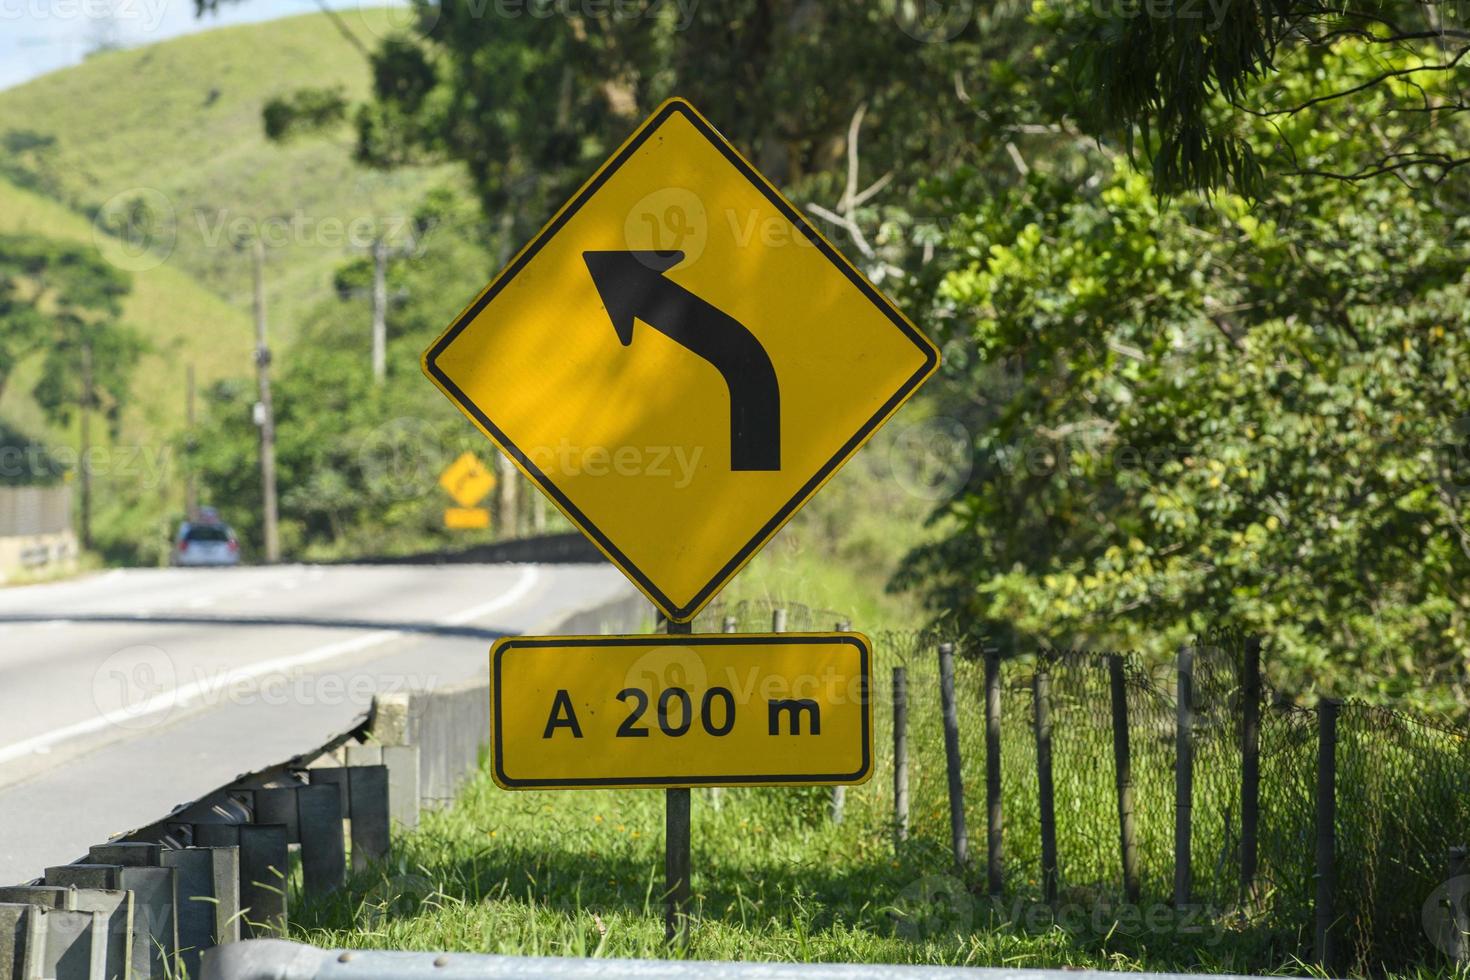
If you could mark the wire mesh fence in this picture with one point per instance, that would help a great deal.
(1240, 819)
(1402, 793)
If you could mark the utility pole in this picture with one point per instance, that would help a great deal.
(508, 485)
(265, 414)
(380, 310)
(86, 438)
(191, 480)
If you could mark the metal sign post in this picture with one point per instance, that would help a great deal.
(677, 847)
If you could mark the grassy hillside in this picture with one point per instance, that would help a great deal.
(178, 125)
(184, 322)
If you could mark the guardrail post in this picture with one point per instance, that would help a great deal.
(323, 854)
(1250, 767)
(900, 756)
(1183, 776)
(208, 884)
(22, 941)
(367, 808)
(1326, 832)
(1046, 793)
(1123, 781)
(74, 943)
(264, 859)
(994, 830)
(156, 900)
(155, 938)
(959, 837)
(113, 911)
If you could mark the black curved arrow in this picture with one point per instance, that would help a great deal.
(632, 286)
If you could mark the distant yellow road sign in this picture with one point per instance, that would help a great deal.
(466, 518)
(680, 360)
(783, 709)
(467, 480)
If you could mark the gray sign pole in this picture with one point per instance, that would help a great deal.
(676, 847)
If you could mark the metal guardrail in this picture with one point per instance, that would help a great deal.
(277, 960)
(147, 904)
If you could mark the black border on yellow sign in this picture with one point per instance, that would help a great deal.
(680, 613)
(865, 662)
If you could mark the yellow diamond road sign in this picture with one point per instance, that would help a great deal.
(785, 709)
(680, 360)
(467, 480)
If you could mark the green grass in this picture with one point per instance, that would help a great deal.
(579, 874)
(182, 118)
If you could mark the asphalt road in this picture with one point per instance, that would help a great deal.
(128, 692)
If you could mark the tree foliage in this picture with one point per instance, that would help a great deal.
(57, 300)
(1193, 85)
(1194, 415)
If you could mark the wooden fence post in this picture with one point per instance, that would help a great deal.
(958, 835)
(1322, 939)
(1458, 947)
(1250, 768)
(839, 793)
(1123, 779)
(1183, 776)
(1041, 693)
(900, 756)
(995, 870)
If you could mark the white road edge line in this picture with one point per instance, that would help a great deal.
(530, 576)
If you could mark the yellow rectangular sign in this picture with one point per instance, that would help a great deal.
(466, 518)
(775, 709)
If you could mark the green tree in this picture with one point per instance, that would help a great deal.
(64, 301)
(1193, 415)
(1218, 93)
